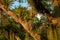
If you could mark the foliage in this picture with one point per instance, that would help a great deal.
(21, 12)
(9, 24)
(7, 3)
(2, 37)
(49, 5)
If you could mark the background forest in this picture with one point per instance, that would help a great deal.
(29, 19)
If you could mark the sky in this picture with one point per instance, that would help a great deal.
(24, 4)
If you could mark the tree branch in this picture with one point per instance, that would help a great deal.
(23, 23)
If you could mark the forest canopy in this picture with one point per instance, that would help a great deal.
(29, 20)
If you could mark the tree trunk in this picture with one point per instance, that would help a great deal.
(11, 35)
(17, 38)
(58, 28)
(27, 36)
(50, 33)
(58, 18)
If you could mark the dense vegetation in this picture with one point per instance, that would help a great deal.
(19, 23)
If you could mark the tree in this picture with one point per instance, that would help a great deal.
(18, 19)
(23, 18)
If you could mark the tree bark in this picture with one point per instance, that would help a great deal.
(50, 33)
(11, 35)
(23, 23)
(17, 37)
(58, 28)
